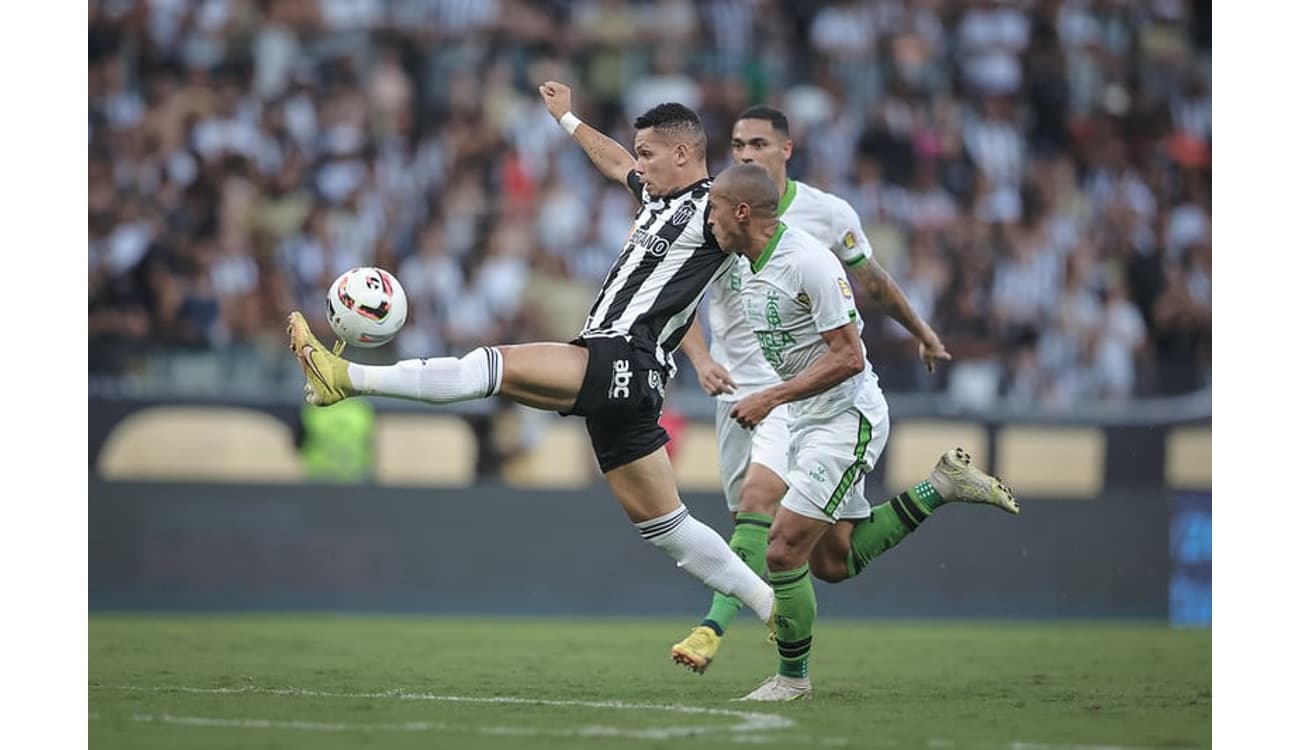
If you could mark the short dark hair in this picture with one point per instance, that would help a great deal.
(668, 115)
(676, 119)
(771, 114)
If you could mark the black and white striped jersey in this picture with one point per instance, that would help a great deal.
(650, 295)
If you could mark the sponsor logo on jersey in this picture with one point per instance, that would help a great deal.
(656, 382)
(621, 381)
(653, 244)
(845, 290)
(774, 344)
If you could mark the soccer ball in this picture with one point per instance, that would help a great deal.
(366, 307)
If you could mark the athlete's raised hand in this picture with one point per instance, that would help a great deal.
(557, 97)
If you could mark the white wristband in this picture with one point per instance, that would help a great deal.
(570, 122)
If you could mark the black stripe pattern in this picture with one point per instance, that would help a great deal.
(660, 276)
(657, 245)
(494, 370)
(794, 649)
(659, 528)
(779, 580)
(908, 512)
(640, 223)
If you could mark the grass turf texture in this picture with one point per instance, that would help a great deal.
(325, 682)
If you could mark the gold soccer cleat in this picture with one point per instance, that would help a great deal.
(697, 649)
(327, 373)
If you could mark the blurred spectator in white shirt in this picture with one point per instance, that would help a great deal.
(1025, 285)
(666, 81)
(1121, 334)
(996, 142)
(990, 37)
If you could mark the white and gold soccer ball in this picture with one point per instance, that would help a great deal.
(366, 307)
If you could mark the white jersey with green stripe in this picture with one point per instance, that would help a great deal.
(827, 217)
(797, 291)
(835, 225)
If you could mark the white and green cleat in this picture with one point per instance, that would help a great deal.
(780, 689)
(957, 480)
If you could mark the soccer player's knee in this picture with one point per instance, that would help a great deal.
(757, 497)
(781, 555)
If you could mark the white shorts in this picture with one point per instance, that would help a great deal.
(828, 461)
(767, 444)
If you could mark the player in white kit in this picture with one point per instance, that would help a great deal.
(753, 463)
(799, 306)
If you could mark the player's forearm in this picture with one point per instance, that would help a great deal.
(694, 345)
(886, 295)
(831, 369)
(610, 158)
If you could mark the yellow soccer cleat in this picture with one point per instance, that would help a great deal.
(327, 373)
(697, 649)
(958, 480)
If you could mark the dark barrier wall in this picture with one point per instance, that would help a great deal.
(494, 550)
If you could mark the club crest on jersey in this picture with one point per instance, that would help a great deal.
(850, 240)
(683, 214)
(772, 311)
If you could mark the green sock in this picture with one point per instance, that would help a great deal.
(926, 496)
(749, 542)
(889, 523)
(796, 609)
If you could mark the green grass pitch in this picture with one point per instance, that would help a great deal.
(325, 682)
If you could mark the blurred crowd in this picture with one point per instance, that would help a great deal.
(1035, 174)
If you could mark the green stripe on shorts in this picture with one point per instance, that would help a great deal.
(851, 474)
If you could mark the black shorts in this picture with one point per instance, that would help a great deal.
(622, 396)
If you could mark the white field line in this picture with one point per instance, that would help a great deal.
(750, 729)
(309, 726)
(747, 721)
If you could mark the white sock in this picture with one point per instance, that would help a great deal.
(700, 551)
(443, 380)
